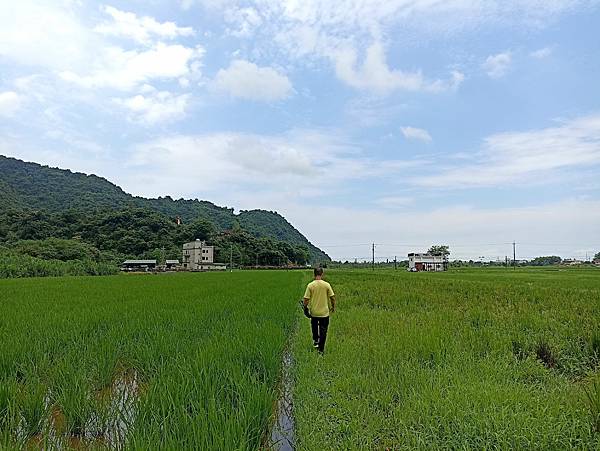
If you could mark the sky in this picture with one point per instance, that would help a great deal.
(403, 123)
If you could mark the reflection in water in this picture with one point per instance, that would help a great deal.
(106, 429)
(282, 434)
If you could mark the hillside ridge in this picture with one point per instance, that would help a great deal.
(32, 186)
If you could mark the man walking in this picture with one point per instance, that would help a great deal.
(318, 297)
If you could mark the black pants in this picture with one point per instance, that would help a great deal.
(319, 331)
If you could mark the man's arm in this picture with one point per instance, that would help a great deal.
(307, 295)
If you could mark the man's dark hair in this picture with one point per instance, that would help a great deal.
(318, 272)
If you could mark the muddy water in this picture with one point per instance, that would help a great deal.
(125, 391)
(109, 432)
(282, 433)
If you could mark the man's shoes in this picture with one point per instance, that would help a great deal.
(315, 344)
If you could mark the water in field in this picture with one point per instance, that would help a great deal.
(282, 434)
(107, 429)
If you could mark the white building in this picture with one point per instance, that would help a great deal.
(198, 256)
(427, 262)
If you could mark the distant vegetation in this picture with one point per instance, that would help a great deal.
(439, 250)
(14, 264)
(546, 261)
(103, 223)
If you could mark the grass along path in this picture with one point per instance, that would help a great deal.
(468, 359)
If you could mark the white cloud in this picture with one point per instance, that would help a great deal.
(10, 102)
(339, 16)
(496, 66)
(244, 20)
(52, 36)
(162, 106)
(46, 34)
(209, 4)
(541, 53)
(415, 133)
(127, 69)
(341, 31)
(299, 160)
(527, 156)
(141, 29)
(374, 74)
(246, 80)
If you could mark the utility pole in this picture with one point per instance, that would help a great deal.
(514, 255)
(506, 261)
(373, 265)
(395, 262)
(231, 258)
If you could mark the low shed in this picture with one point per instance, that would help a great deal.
(171, 264)
(138, 265)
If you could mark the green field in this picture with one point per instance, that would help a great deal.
(171, 361)
(474, 359)
(470, 359)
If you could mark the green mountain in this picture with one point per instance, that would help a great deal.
(33, 189)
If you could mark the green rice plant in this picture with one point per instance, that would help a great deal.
(72, 399)
(32, 409)
(592, 394)
(594, 348)
(8, 418)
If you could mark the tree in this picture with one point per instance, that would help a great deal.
(597, 256)
(439, 249)
(546, 261)
(201, 229)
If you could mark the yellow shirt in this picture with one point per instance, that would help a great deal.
(318, 293)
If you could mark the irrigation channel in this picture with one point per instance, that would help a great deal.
(282, 432)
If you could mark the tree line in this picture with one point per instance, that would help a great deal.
(107, 237)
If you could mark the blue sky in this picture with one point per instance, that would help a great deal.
(399, 122)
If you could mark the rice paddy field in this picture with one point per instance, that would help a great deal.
(468, 359)
(169, 361)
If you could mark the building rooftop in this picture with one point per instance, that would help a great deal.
(172, 262)
(139, 262)
(423, 254)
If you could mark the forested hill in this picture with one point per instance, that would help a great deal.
(32, 187)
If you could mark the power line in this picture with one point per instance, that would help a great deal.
(461, 245)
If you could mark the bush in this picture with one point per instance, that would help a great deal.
(57, 249)
(14, 265)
